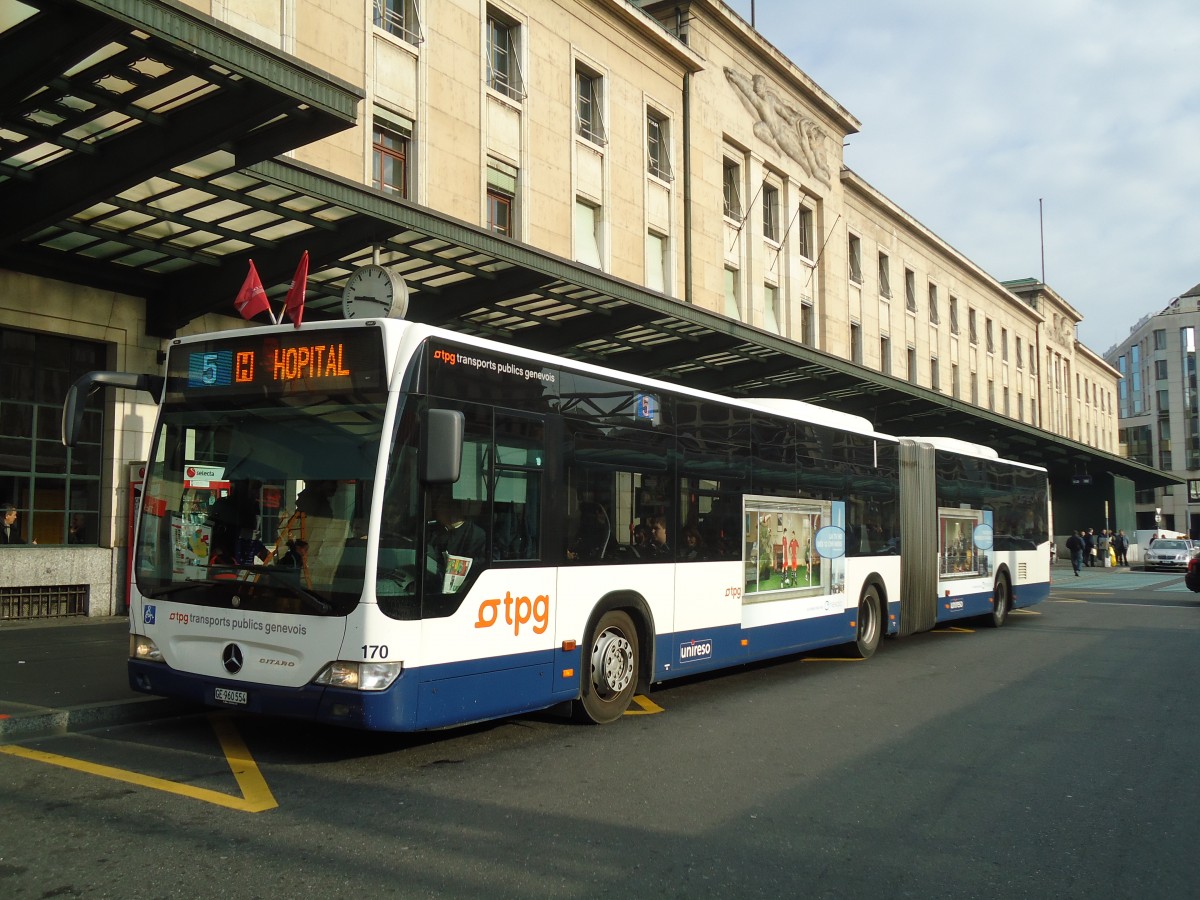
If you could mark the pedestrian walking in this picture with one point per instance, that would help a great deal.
(1075, 548)
(1089, 547)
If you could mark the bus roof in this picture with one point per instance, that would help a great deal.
(966, 448)
(794, 409)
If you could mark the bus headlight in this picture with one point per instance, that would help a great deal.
(141, 647)
(360, 676)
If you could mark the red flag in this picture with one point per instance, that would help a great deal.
(252, 299)
(294, 304)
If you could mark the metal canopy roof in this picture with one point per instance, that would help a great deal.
(98, 97)
(136, 142)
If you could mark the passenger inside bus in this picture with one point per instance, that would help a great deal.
(595, 532)
(693, 544)
(659, 548)
(455, 544)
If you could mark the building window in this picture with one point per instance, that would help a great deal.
(731, 175)
(770, 212)
(1160, 370)
(1006, 401)
(885, 355)
(808, 325)
(771, 318)
(991, 394)
(1004, 344)
(855, 252)
(503, 62)
(656, 262)
(935, 376)
(975, 388)
(399, 18)
(885, 275)
(972, 328)
(501, 197)
(733, 306)
(589, 119)
(1160, 339)
(987, 330)
(912, 365)
(935, 315)
(953, 314)
(910, 290)
(390, 141)
(55, 489)
(954, 380)
(1020, 355)
(856, 349)
(658, 146)
(587, 233)
(1020, 407)
(804, 225)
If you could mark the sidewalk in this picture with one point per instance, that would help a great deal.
(59, 675)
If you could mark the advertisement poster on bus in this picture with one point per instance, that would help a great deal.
(793, 547)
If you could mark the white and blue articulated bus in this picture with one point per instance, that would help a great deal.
(384, 525)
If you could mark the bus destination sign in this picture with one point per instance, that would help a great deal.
(324, 361)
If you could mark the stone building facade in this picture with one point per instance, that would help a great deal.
(1159, 411)
(667, 144)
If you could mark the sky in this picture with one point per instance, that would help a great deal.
(973, 111)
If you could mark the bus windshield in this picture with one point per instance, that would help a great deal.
(258, 497)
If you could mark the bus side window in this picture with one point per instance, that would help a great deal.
(518, 461)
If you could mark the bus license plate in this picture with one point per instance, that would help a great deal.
(234, 698)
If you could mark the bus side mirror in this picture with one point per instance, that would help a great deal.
(77, 394)
(441, 445)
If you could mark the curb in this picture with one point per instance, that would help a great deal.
(42, 722)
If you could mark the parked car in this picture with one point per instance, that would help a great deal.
(1192, 578)
(1170, 554)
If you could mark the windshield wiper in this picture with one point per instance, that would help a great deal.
(188, 583)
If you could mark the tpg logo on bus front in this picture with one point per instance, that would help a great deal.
(695, 650)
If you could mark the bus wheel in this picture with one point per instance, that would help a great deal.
(870, 622)
(610, 668)
(1001, 602)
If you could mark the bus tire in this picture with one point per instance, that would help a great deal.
(609, 669)
(870, 622)
(1001, 601)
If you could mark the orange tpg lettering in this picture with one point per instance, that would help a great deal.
(518, 611)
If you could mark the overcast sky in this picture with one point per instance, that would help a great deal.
(972, 110)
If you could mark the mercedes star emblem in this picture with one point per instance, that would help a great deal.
(232, 659)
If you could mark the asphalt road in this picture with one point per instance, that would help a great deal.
(1051, 758)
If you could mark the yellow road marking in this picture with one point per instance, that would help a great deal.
(832, 659)
(1066, 600)
(1023, 612)
(953, 629)
(648, 707)
(256, 796)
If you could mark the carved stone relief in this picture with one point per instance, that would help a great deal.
(784, 126)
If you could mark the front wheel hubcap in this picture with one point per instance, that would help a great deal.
(612, 663)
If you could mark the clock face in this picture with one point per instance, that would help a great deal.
(373, 292)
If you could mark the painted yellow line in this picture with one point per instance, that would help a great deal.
(1067, 600)
(648, 707)
(256, 796)
(255, 793)
(832, 659)
(1023, 612)
(953, 629)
